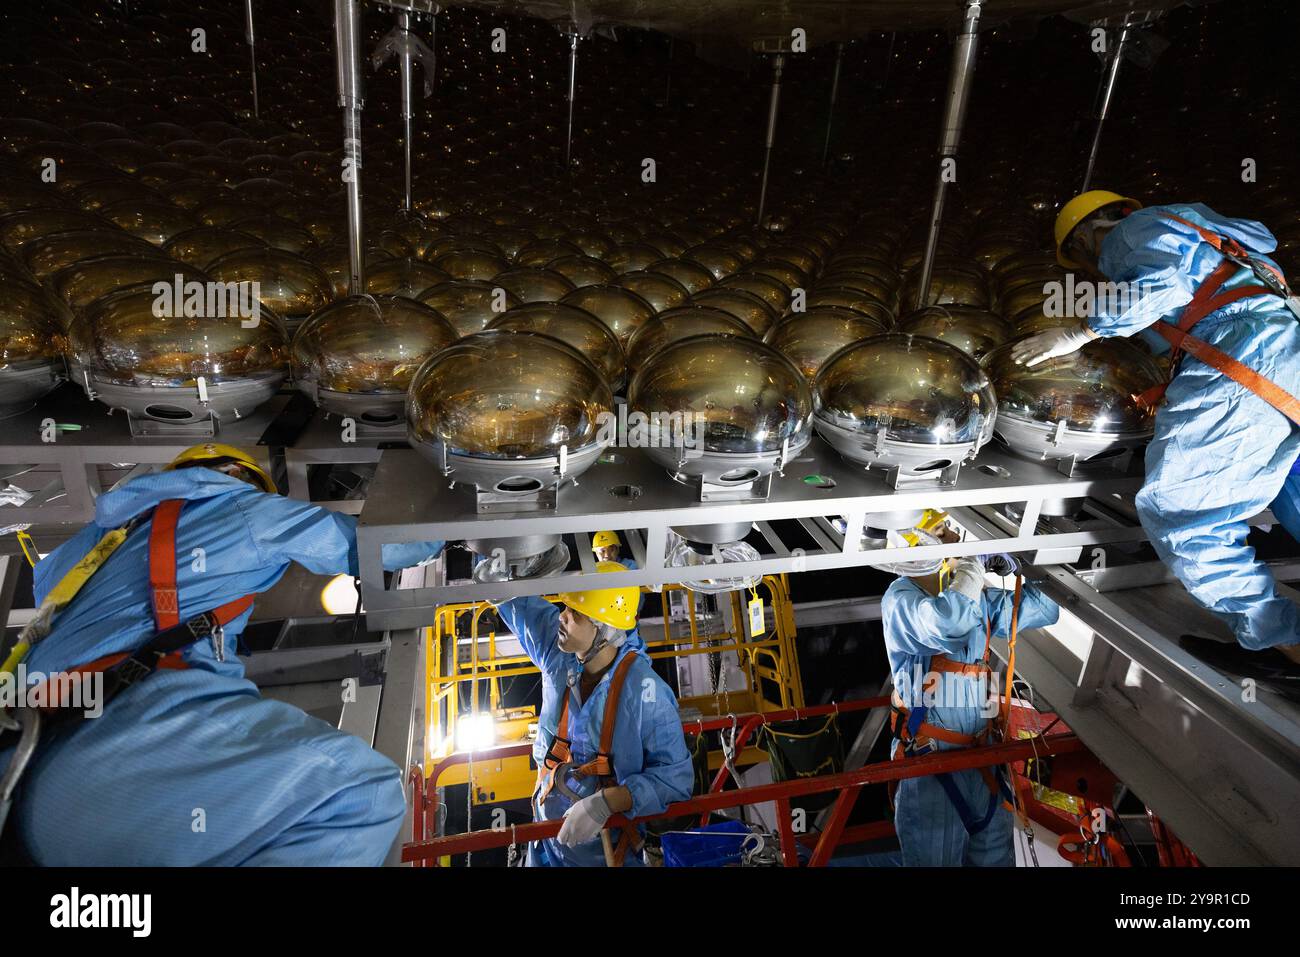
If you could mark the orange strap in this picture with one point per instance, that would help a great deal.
(162, 563)
(949, 667)
(1208, 299)
(1005, 718)
(560, 750)
(1266, 389)
(162, 571)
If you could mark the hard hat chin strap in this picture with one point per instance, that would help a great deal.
(607, 636)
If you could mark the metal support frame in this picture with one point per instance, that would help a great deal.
(1219, 762)
(773, 109)
(574, 39)
(405, 505)
(1108, 92)
(319, 445)
(347, 46)
(68, 474)
(963, 75)
(835, 90)
(252, 51)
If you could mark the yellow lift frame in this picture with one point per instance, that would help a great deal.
(767, 660)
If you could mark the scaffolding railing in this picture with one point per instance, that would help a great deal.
(424, 850)
(768, 661)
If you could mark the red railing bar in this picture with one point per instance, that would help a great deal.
(959, 759)
(695, 727)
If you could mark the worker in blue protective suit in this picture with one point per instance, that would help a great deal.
(944, 698)
(189, 765)
(1224, 444)
(596, 758)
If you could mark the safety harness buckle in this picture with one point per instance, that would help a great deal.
(133, 669)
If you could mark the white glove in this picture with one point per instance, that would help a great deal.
(1049, 344)
(968, 578)
(583, 821)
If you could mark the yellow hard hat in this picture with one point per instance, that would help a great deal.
(217, 452)
(601, 539)
(1079, 209)
(613, 606)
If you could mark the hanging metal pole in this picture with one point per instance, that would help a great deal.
(835, 89)
(963, 75)
(778, 65)
(573, 79)
(404, 25)
(252, 50)
(347, 48)
(1106, 96)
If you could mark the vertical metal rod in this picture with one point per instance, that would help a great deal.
(963, 75)
(404, 24)
(252, 50)
(347, 48)
(1106, 97)
(835, 89)
(778, 65)
(573, 77)
(668, 85)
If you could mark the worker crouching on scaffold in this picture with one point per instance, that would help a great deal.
(187, 764)
(937, 637)
(609, 736)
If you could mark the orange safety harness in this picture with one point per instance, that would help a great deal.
(915, 735)
(1210, 297)
(163, 650)
(558, 760)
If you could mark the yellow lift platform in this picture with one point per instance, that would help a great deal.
(454, 655)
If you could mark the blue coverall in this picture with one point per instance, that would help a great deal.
(649, 755)
(916, 626)
(194, 767)
(1220, 453)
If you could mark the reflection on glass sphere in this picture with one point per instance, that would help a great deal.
(574, 327)
(507, 395)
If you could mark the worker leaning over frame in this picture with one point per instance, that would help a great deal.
(188, 764)
(609, 735)
(937, 640)
(1226, 437)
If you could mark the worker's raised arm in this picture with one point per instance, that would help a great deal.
(1036, 609)
(1146, 259)
(324, 542)
(536, 623)
(667, 774)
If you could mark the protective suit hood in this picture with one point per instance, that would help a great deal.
(139, 495)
